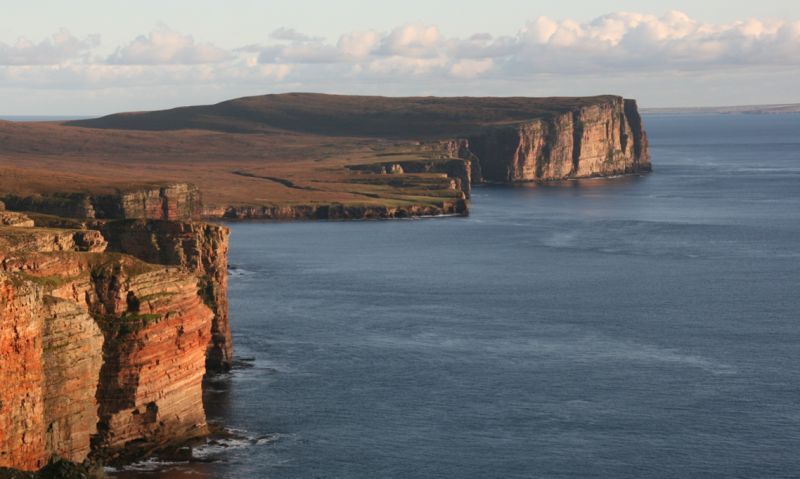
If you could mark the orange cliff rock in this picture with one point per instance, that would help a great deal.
(105, 353)
(603, 139)
(202, 249)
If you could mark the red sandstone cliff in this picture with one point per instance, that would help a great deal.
(200, 248)
(102, 352)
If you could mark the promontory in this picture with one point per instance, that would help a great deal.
(113, 284)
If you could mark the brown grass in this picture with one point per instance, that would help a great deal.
(268, 150)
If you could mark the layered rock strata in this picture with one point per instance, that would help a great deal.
(332, 212)
(21, 398)
(175, 201)
(604, 139)
(104, 353)
(200, 248)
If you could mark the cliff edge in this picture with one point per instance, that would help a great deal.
(104, 353)
(605, 139)
(313, 156)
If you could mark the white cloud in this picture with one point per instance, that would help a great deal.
(358, 45)
(63, 47)
(619, 41)
(419, 58)
(164, 46)
(630, 42)
(293, 35)
(413, 40)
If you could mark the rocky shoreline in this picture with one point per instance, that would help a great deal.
(115, 304)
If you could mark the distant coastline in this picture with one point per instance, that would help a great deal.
(725, 110)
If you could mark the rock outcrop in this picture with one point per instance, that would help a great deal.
(451, 167)
(173, 201)
(103, 353)
(332, 212)
(604, 139)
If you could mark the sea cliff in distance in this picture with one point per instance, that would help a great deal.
(113, 289)
(313, 156)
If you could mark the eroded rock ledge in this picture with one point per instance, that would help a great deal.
(108, 328)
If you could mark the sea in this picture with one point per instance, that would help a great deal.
(644, 326)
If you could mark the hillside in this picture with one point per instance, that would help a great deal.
(416, 118)
(313, 156)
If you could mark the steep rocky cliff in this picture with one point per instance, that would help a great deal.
(104, 353)
(200, 248)
(197, 247)
(172, 201)
(333, 211)
(605, 139)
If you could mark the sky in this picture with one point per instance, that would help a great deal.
(92, 57)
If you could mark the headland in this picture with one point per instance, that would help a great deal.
(114, 286)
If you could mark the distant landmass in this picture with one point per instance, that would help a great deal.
(725, 110)
(313, 156)
(44, 117)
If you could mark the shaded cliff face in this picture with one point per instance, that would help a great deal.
(106, 353)
(72, 354)
(334, 211)
(603, 139)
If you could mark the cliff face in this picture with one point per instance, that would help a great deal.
(156, 330)
(21, 397)
(105, 353)
(72, 354)
(175, 201)
(605, 139)
(200, 248)
(332, 212)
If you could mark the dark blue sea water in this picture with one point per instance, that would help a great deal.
(637, 327)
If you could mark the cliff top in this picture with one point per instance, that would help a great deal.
(46, 182)
(346, 115)
(296, 151)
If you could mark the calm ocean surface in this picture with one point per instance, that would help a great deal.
(637, 327)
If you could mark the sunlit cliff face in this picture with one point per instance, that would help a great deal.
(105, 353)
